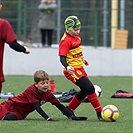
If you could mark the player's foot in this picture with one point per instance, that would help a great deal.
(76, 118)
(99, 116)
(69, 110)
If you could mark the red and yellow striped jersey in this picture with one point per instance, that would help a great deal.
(71, 48)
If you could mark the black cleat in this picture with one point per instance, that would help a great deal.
(70, 110)
(76, 118)
(99, 116)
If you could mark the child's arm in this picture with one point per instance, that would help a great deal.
(41, 112)
(65, 111)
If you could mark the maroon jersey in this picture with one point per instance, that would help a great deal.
(6, 35)
(21, 105)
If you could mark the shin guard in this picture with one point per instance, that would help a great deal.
(95, 102)
(74, 103)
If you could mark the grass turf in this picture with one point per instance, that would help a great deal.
(35, 123)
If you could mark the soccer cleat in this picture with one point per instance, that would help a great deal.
(77, 118)
(99, 116)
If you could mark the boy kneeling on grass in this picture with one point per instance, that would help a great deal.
(18, 107)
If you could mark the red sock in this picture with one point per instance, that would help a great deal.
(95, 102)
(0, 87)
(74, 103)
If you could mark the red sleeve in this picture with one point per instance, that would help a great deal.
(8, 32)
(53, 100)
(64, 48)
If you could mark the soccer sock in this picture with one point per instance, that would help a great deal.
(74, 103)
(0, 87)
(95, 102)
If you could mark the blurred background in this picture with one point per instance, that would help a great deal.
(95, 15)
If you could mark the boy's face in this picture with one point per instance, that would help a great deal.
(75, 32)
(42, 86)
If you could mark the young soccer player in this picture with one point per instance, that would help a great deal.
(72, 59)
(8, 36)
(35, 95)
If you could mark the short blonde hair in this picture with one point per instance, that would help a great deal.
(40, 75)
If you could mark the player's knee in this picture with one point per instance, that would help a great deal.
(85, 85)
(10, 117)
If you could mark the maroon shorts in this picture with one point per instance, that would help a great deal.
(3, 111)
(8, 107)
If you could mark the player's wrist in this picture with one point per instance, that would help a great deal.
(48, 118)
(69, 67)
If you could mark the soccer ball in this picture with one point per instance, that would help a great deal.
(98, 90)
(110, 113)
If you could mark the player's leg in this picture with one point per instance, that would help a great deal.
(86, 86)
(70, 114)
(76, 100)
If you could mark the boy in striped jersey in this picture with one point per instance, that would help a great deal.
(72, 59)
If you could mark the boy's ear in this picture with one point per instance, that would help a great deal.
(35, 84)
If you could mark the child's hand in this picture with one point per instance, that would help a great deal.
(27, 50)
(50, 119)
(70, 69)
(85, 62)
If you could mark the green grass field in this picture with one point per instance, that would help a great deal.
(36, 124)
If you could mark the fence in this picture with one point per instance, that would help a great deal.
(95, 16)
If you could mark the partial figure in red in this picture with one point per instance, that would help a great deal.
(32, 98)
(8, 36)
